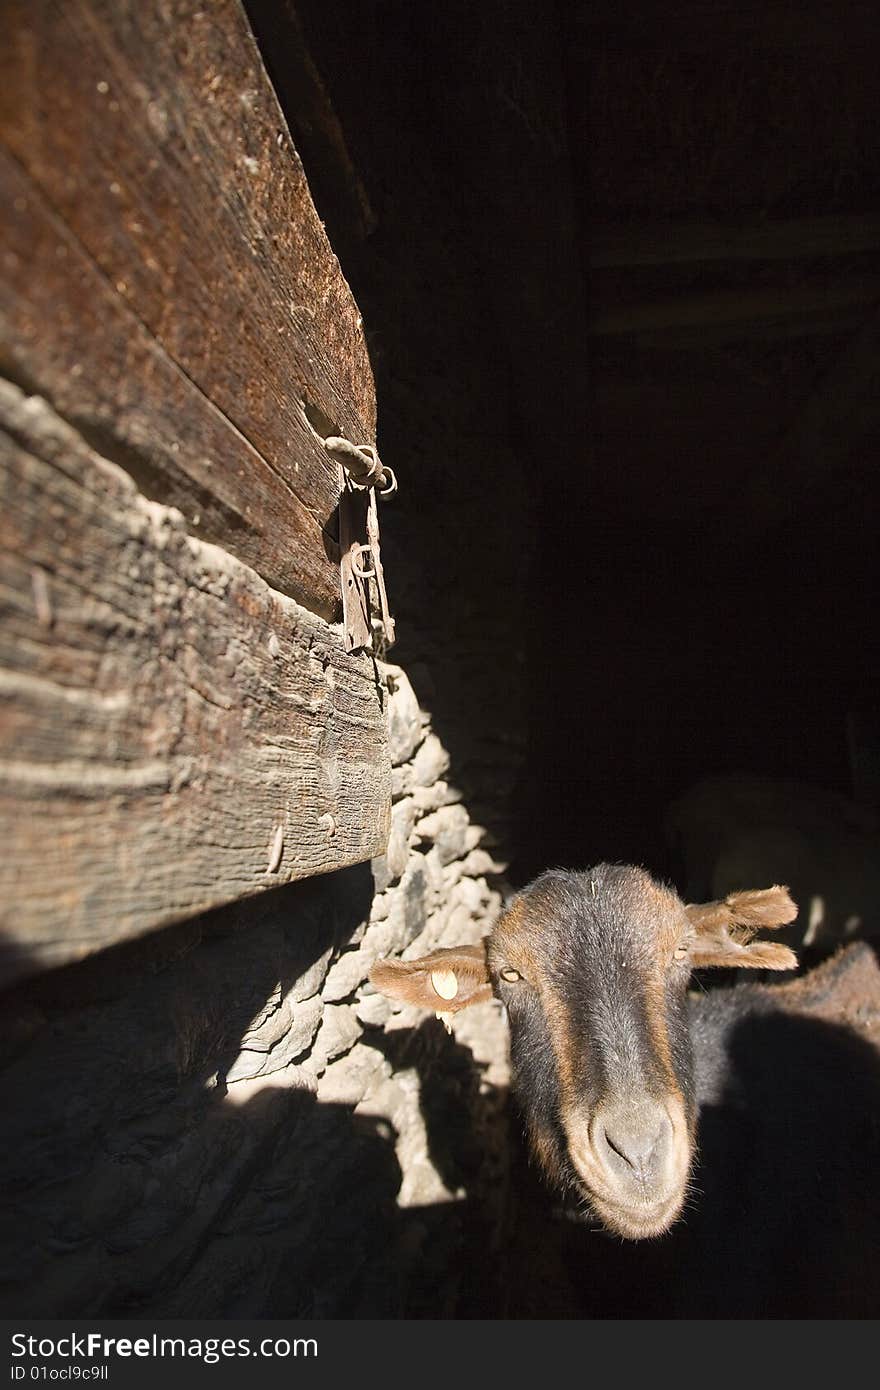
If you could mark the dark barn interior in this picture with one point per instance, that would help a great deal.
(620, 271)
(618, 265)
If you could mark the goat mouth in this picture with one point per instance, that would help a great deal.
(636, 1212)
(637, 1189)
(637, 1221)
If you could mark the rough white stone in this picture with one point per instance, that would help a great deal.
(406, 724)
(450, 873)
(453, 924)
(440, 794)
(311, 980)
(293, 1030)
(347, 1080)
(409, 907)
(338, 1033)
(479, 863)
(381, 907)
(401, 781)
(346, 974)
(474, 835)
(403, 817)
(484, 1030)
(447, 828)
(473, 894)
(359, 932)
(397, 1100)
(383, 939)
(388, 1098)
(388, 868)
(435, 892)
(429, 763)
(269, 1024)
(373, 1010)
(291, 1078)
(381, 876)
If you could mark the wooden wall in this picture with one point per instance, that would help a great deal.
(179, 723)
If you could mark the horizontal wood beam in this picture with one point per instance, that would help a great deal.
(685, 243)
(66, 332)
(153, 138)
(700, 26)
(174, 733)
(727, 314)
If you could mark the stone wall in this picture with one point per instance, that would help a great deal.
(224, 1119)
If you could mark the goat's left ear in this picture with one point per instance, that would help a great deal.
(724, 930)
(445, 981)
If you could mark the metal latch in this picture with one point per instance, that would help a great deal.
(362, 476)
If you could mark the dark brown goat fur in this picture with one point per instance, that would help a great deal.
(593, 969)
(784, 1216)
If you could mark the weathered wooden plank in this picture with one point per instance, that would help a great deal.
(66, 329)
(174, 733)
(683, 243)
(317, 129)
(152, 130)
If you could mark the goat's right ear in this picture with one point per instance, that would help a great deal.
(444, 981)
(723, 930)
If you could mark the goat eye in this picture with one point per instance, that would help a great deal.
(510, 975)
(680, 952)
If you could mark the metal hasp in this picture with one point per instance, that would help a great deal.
(361, 476)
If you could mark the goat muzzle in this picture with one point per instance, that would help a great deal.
(632, 1159)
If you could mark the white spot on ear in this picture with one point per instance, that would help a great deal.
(445, 983)
(446, 1020)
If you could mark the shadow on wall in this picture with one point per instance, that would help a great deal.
(143, 1175)
(141, 1181)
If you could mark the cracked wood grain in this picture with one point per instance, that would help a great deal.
(170, 721)
(171, 284)
(65, 330)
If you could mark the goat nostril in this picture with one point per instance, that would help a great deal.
(619, 1149)
(636, 1148)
